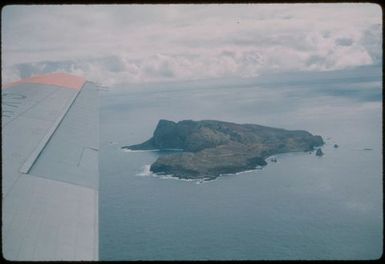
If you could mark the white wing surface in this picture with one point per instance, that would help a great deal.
(50, 176)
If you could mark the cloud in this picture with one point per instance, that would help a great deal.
(344, 41)
(138, 43)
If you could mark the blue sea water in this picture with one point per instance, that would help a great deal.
(301, 207)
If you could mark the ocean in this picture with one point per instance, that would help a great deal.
(302, 207)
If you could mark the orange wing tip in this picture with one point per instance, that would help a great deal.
(57, 79)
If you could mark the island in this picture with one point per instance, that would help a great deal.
(211, 148)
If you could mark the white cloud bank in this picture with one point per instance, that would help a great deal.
(138, 43)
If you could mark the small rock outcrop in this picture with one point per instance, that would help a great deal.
(319, 152)
(211, 147)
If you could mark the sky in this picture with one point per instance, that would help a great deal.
(143, 43)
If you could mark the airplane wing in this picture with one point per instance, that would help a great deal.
(50, 141)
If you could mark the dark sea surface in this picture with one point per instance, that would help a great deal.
(301, 207)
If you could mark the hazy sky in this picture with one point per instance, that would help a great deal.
(136, 43)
